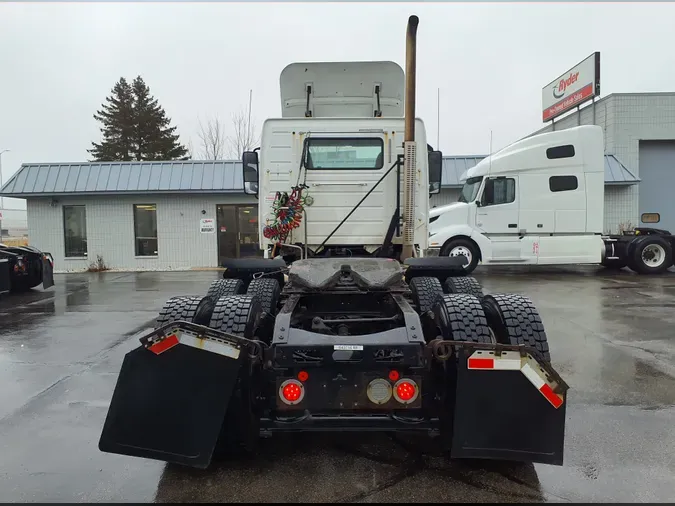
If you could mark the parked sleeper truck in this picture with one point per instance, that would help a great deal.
(540, 201)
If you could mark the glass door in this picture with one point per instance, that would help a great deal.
(226, 228)
(248, 243)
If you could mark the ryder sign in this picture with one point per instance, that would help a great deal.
(576, 86)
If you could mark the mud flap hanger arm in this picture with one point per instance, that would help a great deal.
(441, 350)
(255, 348)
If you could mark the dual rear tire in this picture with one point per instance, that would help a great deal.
(466, 314)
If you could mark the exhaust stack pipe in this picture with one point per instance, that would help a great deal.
(409, 145)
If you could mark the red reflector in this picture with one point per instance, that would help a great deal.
(405, 391)
(393, 375)
(551, 395)
(303, 376)
(481, 363)
(291, 392)
(164, 345)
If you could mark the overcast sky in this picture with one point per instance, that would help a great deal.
(58, 62)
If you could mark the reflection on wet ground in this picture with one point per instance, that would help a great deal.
(610, 335)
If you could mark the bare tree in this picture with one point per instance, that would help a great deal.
(245, 137)
(213, 140)
(190, 151)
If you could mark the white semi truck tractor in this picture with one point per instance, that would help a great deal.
(540, 201)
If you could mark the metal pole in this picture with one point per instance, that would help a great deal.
(2, 199)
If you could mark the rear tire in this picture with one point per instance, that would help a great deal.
(463, 284)
(425, 292)
(460, 317)
(650, 254)
(268, 292)
(514, 320)
(239, 315)
(171, 311)
(223, 287)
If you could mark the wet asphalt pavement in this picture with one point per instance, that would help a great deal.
(611, 339)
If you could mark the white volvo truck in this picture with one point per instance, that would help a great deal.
(340, 139)
(540, 201)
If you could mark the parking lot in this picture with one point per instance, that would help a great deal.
(611, 338)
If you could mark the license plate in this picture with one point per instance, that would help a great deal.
(348, 347)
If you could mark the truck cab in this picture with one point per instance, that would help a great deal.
(340, 132)
(539, 200)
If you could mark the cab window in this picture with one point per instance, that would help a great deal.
(499, 191)
(344, 153)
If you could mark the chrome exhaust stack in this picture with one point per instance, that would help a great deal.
(409, 144)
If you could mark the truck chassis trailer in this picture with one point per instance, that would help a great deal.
(361, 344)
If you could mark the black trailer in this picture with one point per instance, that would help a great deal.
(359, 344)
(644, 250)
(28, 267)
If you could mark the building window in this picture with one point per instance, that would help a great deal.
(75, 231)
(145, 229)
(563, 183)
(499, 191)
(345, 153)
(566, 151)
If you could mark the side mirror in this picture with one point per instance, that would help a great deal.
(435, 171)
(250, 167)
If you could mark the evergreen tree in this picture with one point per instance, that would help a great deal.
(117, 116)
(135, 127)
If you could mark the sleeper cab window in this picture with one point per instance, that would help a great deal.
(145, 230)
(353, 153)
(563, 183)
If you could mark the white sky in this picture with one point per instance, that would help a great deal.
(58, 62)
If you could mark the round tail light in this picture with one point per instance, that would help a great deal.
(406, 391)
(379, 391)
(291, 392)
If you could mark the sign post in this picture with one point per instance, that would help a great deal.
(576, 86)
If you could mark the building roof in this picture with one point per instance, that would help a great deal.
(133, 178)
(34, 179)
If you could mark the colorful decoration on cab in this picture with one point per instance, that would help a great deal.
(287, 210)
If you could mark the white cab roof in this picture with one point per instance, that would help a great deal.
(530, 153)
(342, 89)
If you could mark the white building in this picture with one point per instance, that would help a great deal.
(149, 215)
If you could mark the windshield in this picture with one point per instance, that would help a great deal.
(345, 153)
(470, 189)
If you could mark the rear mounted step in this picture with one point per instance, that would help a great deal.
(509, 405)
(172, 394)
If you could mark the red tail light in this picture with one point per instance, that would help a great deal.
(405, 391)
(291, 392)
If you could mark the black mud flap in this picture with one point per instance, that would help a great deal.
(170, 406)
(501, 414)
(4, 276)
(47, 271)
